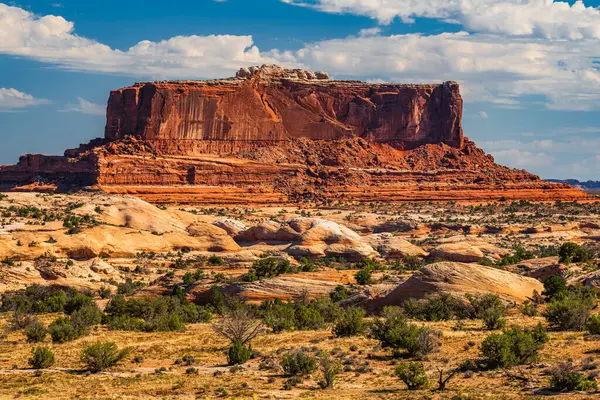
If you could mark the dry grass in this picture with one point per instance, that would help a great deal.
(129, 380)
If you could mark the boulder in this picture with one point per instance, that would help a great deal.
(461, 249)
(393, 247)
(327, 238)
(231, 226)
(460, 279)
(268, 231)
(459, 252)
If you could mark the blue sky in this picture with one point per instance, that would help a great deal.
(529, 69)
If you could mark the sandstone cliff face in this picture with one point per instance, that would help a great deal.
(238, 114)
(273, 135)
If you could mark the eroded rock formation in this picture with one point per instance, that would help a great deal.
(273, 105)
(270, 135)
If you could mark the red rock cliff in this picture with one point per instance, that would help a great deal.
(272, 105)
(272, 135)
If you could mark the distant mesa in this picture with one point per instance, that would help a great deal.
(272, 135)
(590, 185)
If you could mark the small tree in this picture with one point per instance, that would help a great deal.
(513, 347)
(570, 313)
(36, 332)
(240, 327)
(331, 368)
(413, 375)
(350, 323)
(490, 309)
(42, 358)
(555, 287)
(442, 382)
(99, 356)
(572, 252)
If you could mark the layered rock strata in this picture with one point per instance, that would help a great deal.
(274, 135)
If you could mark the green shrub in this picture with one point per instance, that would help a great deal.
(440, 307)
(279, 316)
(593, 325)
(129, 287)
(84, 318)
(292, 382)
(195, 314)
(393, 331)
(100, 356)
(104, 292)
(179, 293)
(555, 287)
(412, 263)
(126, 323)
(61, 330)
(215, 260)
(369, 263)
(418, 341)
(302, 314)
(530, 309)
(238, 354)
(572, 252)
(42, 358)
(298, 363)
(513, 347)
(78, 301)
(37, 299)
(36, 332)
(350, 323)
(569, 314)
(330, 368)
(267, 268)
(307, 265)
(308, 318)
(483, 302)
(330, 311)
(518, 255)
(165, 323)
(489, 308)
(340, 293)
(413, 375)
(20, 320)
(493, 318)
(564, 377)
(363, 277)
(162, 314)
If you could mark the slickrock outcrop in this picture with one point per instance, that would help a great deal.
(273, 135)
(460, 279)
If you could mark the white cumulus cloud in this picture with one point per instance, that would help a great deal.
(85, 107)
(52, 39)
(491, 68)
(12, 100)
(540, 18)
